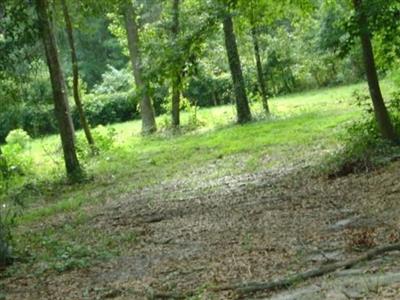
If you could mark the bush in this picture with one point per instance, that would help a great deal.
(13, 164)
(364, 149)
(109, 108)
(18, 137)
(15, 160)
(194, 122)
(104, 138)
(9, 120)
(39, 120)
(114, 81)
(206, 90)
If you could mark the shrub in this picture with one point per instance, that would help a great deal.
(18, 137)
(191, 108)
(364, 149)
(114, 81)
(15, 160)
(34, 119)
(109, 108)
(9, 119)
(206, 90)
(38, 120)
(104, 138)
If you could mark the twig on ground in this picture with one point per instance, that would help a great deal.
(253, 287)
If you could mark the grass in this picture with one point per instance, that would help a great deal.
(301, 123)
(303, 127)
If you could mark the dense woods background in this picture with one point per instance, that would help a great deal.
(299, 48)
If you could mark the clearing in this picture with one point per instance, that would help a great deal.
(174, 216)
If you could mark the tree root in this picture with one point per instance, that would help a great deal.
(253, 287)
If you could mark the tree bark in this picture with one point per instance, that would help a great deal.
(381, 113)
(75, 74)
(146, 107)
(260, 74)
(242, 104)
(67, 132)
(176, 81)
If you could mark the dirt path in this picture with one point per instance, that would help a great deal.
(253, 227)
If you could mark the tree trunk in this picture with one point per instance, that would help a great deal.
(260, 74)
(67, 132)
(242, 104)
(215, 97)
(176, 81)
(75, 74)
(146, 107)
(3, 165)
(381, 113)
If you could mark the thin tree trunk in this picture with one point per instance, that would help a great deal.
(260, 74)
(381, 113)
(3, 165)
(215, 97)
(146, 107)
(67, 132)
(242, 104)
(176, 81)
(75, 74)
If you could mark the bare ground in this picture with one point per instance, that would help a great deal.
(195, 235)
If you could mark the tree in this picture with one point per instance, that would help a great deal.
(257, 14)
(381, 113)
(132, 31)
(75, 74)
(176, 81)
(260, 72)
(242, 103)
(67, 132)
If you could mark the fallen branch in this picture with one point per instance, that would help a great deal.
(169, 296)
(252, 287)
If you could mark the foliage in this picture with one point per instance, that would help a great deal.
(97, 49)
(39, 120)
(114, 81)
(14, 163)
(207, 89)
(191, 108)
(14, 153)
(18, 137)
(395, 76)
(18, 38)
(364, 149)
(110, 108)
(104, 137)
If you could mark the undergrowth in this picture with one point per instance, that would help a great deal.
(127, 161)
(363, 147)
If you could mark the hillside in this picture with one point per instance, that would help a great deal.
(176, 215)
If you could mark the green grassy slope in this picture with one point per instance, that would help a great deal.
(302, 126)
